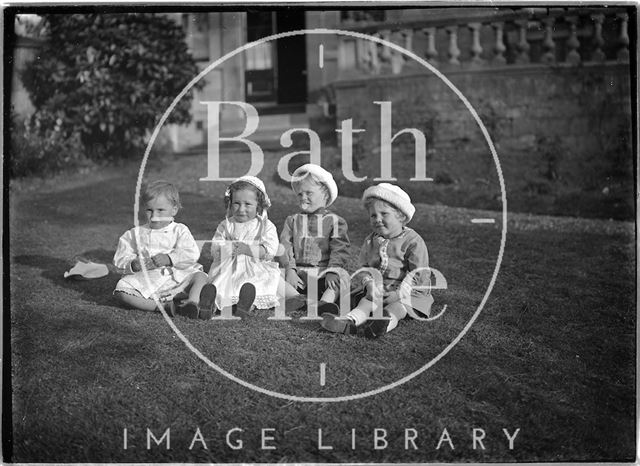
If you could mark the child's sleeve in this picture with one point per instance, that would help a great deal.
(269, 240)
(416, 257)
(363, 261)
(339, 244)
(218, 242)
(126, 252)
(186, 252)
(287, 259)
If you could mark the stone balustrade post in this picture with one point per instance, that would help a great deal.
(408, 39)
(344, 46)
(573, 56)
(549, 45)
(431, 53)
(499, 47)
(362, 53)
(523, 45)
(598, 54)
(476, 47)
(397, 58)
(374, 54)
(386, 50)
(623, 38)
(453, 51)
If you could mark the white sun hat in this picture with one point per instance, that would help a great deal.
(321, 174)
(392, 194)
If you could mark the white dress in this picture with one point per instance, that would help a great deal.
(175, 240)
(229, 273)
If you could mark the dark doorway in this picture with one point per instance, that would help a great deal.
(292, 58)
(275, 72)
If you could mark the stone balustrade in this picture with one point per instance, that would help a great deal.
(487, 38)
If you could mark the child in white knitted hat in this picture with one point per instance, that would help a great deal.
(315, 238)
(242, 273)
(395, 250)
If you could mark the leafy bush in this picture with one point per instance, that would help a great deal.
(39, 146)
(110, 77)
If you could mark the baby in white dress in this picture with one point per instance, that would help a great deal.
(166, 249)
(243, 273)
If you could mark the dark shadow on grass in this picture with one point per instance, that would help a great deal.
(97, 291)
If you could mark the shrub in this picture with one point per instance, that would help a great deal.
(109, 78)
(39, 146)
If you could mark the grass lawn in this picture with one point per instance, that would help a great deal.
(552, 353)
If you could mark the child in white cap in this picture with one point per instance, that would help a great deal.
(315, 238)
(243, 247)
(395, 250)
(165, 248)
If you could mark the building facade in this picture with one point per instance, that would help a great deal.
(281, 78)
(528, 68)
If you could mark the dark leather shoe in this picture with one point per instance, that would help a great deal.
(332, 323)
(375, 328)
(246, 298)
(207, 303)
(189, 310)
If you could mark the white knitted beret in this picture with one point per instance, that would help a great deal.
(392, 194)
(252, 180)
(323, 175)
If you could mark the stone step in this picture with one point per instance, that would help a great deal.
(267, 136)
(281, 122)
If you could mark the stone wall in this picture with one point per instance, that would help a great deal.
(563, 135)
(585, 109)
(516, 103)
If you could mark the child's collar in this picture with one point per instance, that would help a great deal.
(399, 235)
(147, 226)
(257, 218)
(320, 211)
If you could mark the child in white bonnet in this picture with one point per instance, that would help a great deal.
(242, 274)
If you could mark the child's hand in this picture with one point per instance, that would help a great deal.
(293, 279)
(135, 265)
(161, 260)
(145, 258)
(148, 263)
(242, 248)
(332, 280)
(390, 297)
(373, 293)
